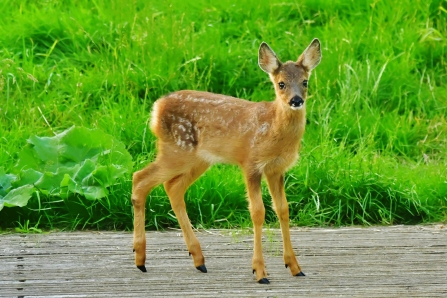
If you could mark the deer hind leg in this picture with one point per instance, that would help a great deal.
(143, 181)
(257, 212)
(175, 189)
(276, 187)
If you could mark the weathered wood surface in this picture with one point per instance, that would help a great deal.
(398, 261)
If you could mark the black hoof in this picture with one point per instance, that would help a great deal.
(287, 265)
(202, 268)
(300, 274)
(142, 268)
(264, 281)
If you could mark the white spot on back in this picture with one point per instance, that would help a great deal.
(263, 129)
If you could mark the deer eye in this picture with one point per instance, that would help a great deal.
(281, 85)
(305, 83)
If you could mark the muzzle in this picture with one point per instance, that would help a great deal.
(296, 102)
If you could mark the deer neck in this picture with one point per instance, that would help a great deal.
(288, 121)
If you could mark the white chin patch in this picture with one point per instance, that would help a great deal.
(295, 108)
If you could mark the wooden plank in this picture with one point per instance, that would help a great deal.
(397, 261)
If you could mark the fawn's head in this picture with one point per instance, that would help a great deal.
(290, 78)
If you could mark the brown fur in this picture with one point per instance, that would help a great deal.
(196, 129)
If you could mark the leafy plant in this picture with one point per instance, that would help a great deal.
(76, 161)
(15, 197)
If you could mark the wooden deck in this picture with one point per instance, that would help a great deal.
(397, 261)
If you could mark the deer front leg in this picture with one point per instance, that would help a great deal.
(276, 187)
(257, 212)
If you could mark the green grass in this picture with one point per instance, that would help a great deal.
(374, 151)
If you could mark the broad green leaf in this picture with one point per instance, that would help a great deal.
(66, 181)
(78, 160)
(47, 148)
(85, 170)
(5, 181)
(17, 197)
(29, 176)
(50, 182)
(81, 143)
(72, 186)
(94, 192)
(28, 159)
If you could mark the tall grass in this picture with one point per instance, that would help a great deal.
(374, 150)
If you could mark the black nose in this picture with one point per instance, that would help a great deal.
(296, 102)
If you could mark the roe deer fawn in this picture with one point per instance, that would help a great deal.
(196, 129)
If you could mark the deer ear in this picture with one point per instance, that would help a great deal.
(311, 56)
(267, 59)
